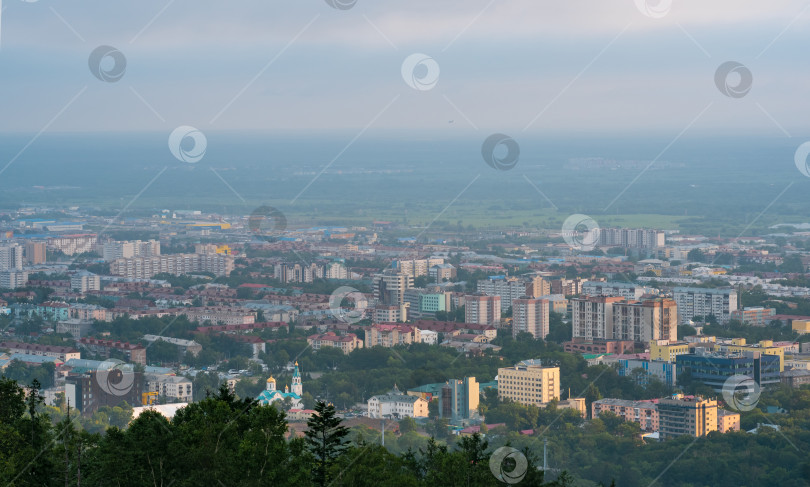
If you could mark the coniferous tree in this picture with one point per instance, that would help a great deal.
(325, 438)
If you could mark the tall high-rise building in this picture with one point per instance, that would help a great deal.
(298, 272)
(592, 317)
(530, 315)
(633, 238)
(458, 399)
(11, 257)
(615, 318)
(508, 288)
(643, 321)
(389, 287)
(482, 310)
(35, 252)
(537, 286)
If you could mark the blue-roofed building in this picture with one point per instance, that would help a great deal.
(271, 394)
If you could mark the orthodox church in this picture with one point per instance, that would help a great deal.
(271, 394)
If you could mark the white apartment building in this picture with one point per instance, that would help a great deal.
(170, 386)
(13, 279)
(634, 238)
(335, 270)
(113, 250)
(176, 264)
(530, 315)
(74, 244)
(298, 272)
(508, 288)
(429, 336)
(85, 281)
(397, 405)
(703, 302)
(611, 289)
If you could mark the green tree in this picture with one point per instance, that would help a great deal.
(325, 439)
(406, 425)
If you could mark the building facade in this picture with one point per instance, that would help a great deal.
(693, 416)
(699, 302)
(530, 315)
(482, 310)
(345, 343)
(397, 405)
(529, 383)
(175, 264)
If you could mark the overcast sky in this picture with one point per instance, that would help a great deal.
(526, 67)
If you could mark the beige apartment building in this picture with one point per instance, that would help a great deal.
(390, 335)
(529, 383)
(482, 310)
(35, 252)
(686, 415)
(345, 343)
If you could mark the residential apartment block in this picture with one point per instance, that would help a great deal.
(345, 343)
(530, 315)
(113, 250)
(642, 321)
(592, 317)
(507, 288)
(11, 257)
(389, 287)
(62, 353)
(35, 252)
(529, 383)
(133, 353)
(645, 413)
(73, 244)
(613, 289)
(482, 310)
(170, 386)
(417, 267)
(391, 334)
(615, 318)
(175, 264)
(631, 238)
(84, 281)
(701, 302)
(693, 416)
(755, 316)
